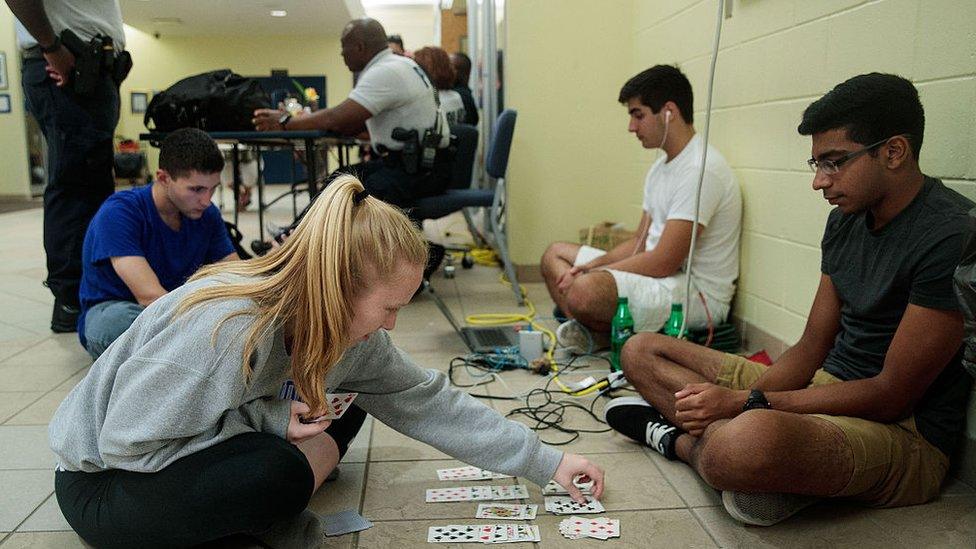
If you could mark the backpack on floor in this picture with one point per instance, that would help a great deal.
(213, 101)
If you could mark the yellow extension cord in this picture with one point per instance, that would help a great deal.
(488, 257)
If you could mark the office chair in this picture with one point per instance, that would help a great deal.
(493, 199)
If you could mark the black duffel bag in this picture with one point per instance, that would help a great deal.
(212, 101)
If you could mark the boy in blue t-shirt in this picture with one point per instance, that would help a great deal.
(144, 243)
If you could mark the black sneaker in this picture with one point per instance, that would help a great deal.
(559, 315)
(434, 258)
(633, 417)
(64, 319)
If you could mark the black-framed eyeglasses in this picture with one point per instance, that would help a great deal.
(830, 167)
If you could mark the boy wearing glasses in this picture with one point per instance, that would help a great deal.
(870, 402)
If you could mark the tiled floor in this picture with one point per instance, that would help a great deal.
(659, 503)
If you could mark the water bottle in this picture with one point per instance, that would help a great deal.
(621, 328)
(673, 326)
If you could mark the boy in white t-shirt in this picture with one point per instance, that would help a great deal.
(648, 269)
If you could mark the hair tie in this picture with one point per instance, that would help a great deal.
(359, 197)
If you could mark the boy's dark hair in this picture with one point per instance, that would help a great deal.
(395, 38)
(189, 150)
(658, 85)
(871, 107)
(463, 68)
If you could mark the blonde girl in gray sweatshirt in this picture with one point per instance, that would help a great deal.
(177, 436)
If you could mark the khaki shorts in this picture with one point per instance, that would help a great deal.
(893, 464)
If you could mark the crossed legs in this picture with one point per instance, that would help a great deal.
(591, 299)
(756, 451)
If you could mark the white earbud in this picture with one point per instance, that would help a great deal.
(667, 116)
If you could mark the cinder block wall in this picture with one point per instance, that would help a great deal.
(573, 163)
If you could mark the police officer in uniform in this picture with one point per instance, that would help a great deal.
(73, 62)
(395, 101)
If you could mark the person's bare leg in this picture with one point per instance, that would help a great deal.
(592, 300)
(557, 259)
(772, 451)
(322, 454)
(658, 366)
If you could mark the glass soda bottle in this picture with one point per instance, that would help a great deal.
(673, 326)
(621, 328)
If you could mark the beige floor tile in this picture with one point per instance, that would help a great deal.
(21, 375)
(947, 522)
(343, 493)
(47, 518)
(39, 412)
(359, 447)
(23, 492)
(25, 447)
(14, 339)
(830, 524)
(27, 287)
(667, 529)
(692, 489)
(44, 540)
(389, 445)
(413, 534)
(632, 483)
(32, 316)
(445, 341)
(61, 349)
(396, 490)
(572, 418)
(13, 402)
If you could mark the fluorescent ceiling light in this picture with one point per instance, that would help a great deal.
(278, 13)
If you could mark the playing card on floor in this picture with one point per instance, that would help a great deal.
(598, 528)
(509, 511)
(461, 473)
(460, 493)
(453, 533)
(564, 505)
(515, 491)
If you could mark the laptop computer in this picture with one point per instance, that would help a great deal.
(479, 339)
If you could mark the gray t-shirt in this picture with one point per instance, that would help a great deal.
(878, 273)
(165, 390)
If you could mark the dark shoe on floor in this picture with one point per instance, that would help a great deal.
(64, 319)
(764, 509)
(559, 315)
(633, 417)
(434, 259)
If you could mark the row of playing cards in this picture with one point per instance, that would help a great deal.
(477, 493)
(564, 505)
(468, 473)
(507, 511)
(483, 533)
(597, 527)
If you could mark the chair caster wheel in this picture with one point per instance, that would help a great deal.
(467, 261)
(448, 271)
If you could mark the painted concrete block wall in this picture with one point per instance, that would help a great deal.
(776, 57)
(14, 177)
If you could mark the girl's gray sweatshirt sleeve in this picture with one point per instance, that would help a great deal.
(422, 405)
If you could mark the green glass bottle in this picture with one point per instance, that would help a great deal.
(673, 326)
(621, 328)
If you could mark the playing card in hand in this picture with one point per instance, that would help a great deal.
(554, 489)
(564, 505)
(338, 404)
